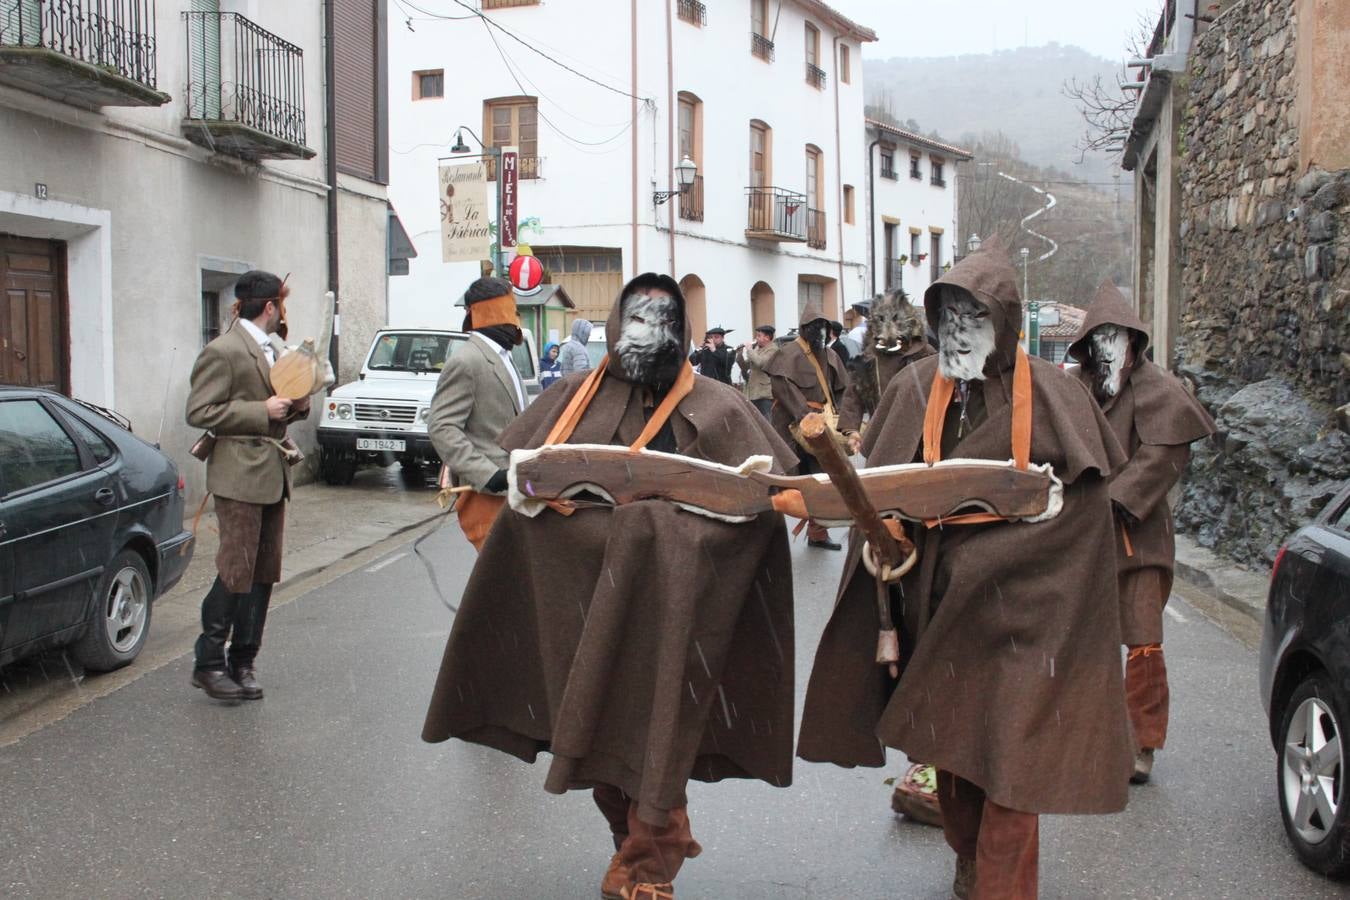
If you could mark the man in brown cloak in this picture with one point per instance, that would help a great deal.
(806, 376)
(1155, 419)
(640, 644)
(894, 340)
(1012, 683)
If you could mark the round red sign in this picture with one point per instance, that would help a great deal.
(526, 274)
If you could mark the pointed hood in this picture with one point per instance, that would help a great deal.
(810, 313)
(1109, 307)
(988, 276)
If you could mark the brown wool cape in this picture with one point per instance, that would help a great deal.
(1015, 685)
(641, 645)
(1155, 419)
(795, 383)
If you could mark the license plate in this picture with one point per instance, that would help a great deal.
(381, 444)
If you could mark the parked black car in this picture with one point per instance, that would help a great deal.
(91, 530)
(1305, 685)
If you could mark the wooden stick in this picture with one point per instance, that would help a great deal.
(889, 553)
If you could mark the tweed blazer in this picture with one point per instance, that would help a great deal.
(231, 382)
(475, 400)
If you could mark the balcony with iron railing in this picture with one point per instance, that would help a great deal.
(895, 274)
(693, 12)
(815, 228)
(761, 46)
(245, 89)
(776, 214)
(937, 181)
(888, 169)
(815, 76)
(88, 53)
(691, 201)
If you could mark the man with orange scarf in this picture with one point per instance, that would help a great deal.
(478, 394)
(640, 644)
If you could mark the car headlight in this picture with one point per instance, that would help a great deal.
(423, 414)
(344, 410)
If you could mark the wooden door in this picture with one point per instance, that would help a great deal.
(34, 343)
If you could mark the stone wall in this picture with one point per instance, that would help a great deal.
(1265, 318)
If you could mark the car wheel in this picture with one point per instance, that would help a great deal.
(337, 467)
(1311, 776)
(120, 620)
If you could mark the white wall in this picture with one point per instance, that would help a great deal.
(586, 197)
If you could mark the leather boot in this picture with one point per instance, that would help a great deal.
(964, 883)
(615, 880)
(247, 679)
(217, 684)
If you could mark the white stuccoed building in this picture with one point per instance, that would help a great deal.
(912, 207)
(153, 152)
(765, 97)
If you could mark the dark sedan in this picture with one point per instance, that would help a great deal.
(1305, 684)
(91, 530)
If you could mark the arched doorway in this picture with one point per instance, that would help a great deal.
(761, 305)
(695, 305)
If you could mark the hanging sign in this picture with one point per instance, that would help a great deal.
(465, 235)
(527, 273)
(510, 176)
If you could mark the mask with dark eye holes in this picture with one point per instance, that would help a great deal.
(965, 336)
(1110, 354)
(649, 347)
(816, 333)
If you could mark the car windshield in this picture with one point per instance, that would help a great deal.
(411, 352)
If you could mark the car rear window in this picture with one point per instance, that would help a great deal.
(34, 449)
(96, 443)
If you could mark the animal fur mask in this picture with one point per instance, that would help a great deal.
(816, 333)
(648, 349)
(1110, 354)
(893, 327)
(965, 336)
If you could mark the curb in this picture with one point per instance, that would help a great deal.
(1240, 589)
(314, 570)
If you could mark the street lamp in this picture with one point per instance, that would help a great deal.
(459, 149)
(685, 173)
(1026, 310)
(973, 242)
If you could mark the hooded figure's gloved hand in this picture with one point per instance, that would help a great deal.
(497, 484)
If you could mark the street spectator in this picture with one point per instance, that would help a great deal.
(838, 343)
(248, 472)
(752, 357)
(858, 333)
(550, 370)
(572, 355)
(714, 358)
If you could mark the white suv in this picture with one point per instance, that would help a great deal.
(383, 416)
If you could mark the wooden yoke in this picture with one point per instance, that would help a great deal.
(893, 555)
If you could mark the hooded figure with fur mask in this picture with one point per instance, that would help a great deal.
(1155, 419)
(1011, 682)
(895, 339)
(806, 376)
(626, 624)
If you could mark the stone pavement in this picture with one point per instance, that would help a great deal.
(329, 530)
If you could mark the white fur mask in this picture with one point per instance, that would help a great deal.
(648, 348)
(965, 337)
(1110, 352)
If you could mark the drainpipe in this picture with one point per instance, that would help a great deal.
(633, 44)
(330, 173)
(670, 121)
(839, 178)
(871, 214)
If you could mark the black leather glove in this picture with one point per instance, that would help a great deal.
(497, 484)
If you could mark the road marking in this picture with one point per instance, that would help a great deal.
(388, 562)
(1174, 614)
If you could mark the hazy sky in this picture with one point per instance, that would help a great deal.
(951, 27)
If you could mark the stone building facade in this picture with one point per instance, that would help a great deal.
(1263, 256)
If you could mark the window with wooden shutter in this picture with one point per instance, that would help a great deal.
(513, 122)
(360, 124)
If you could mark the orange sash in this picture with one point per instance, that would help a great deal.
(940, 397)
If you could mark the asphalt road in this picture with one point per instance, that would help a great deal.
(324, 790)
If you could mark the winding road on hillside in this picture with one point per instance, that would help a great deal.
(1049, 205)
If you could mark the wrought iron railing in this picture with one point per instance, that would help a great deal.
(691, 201)
(240, 72)
(507, 4)
(895, 274)
(693, 12)
(527, 167)
(776, 211)
(914, 170)
(761, 46)
(888, 170)
(815, 76)
(115, 35)
(815, 229)
(938, 181)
